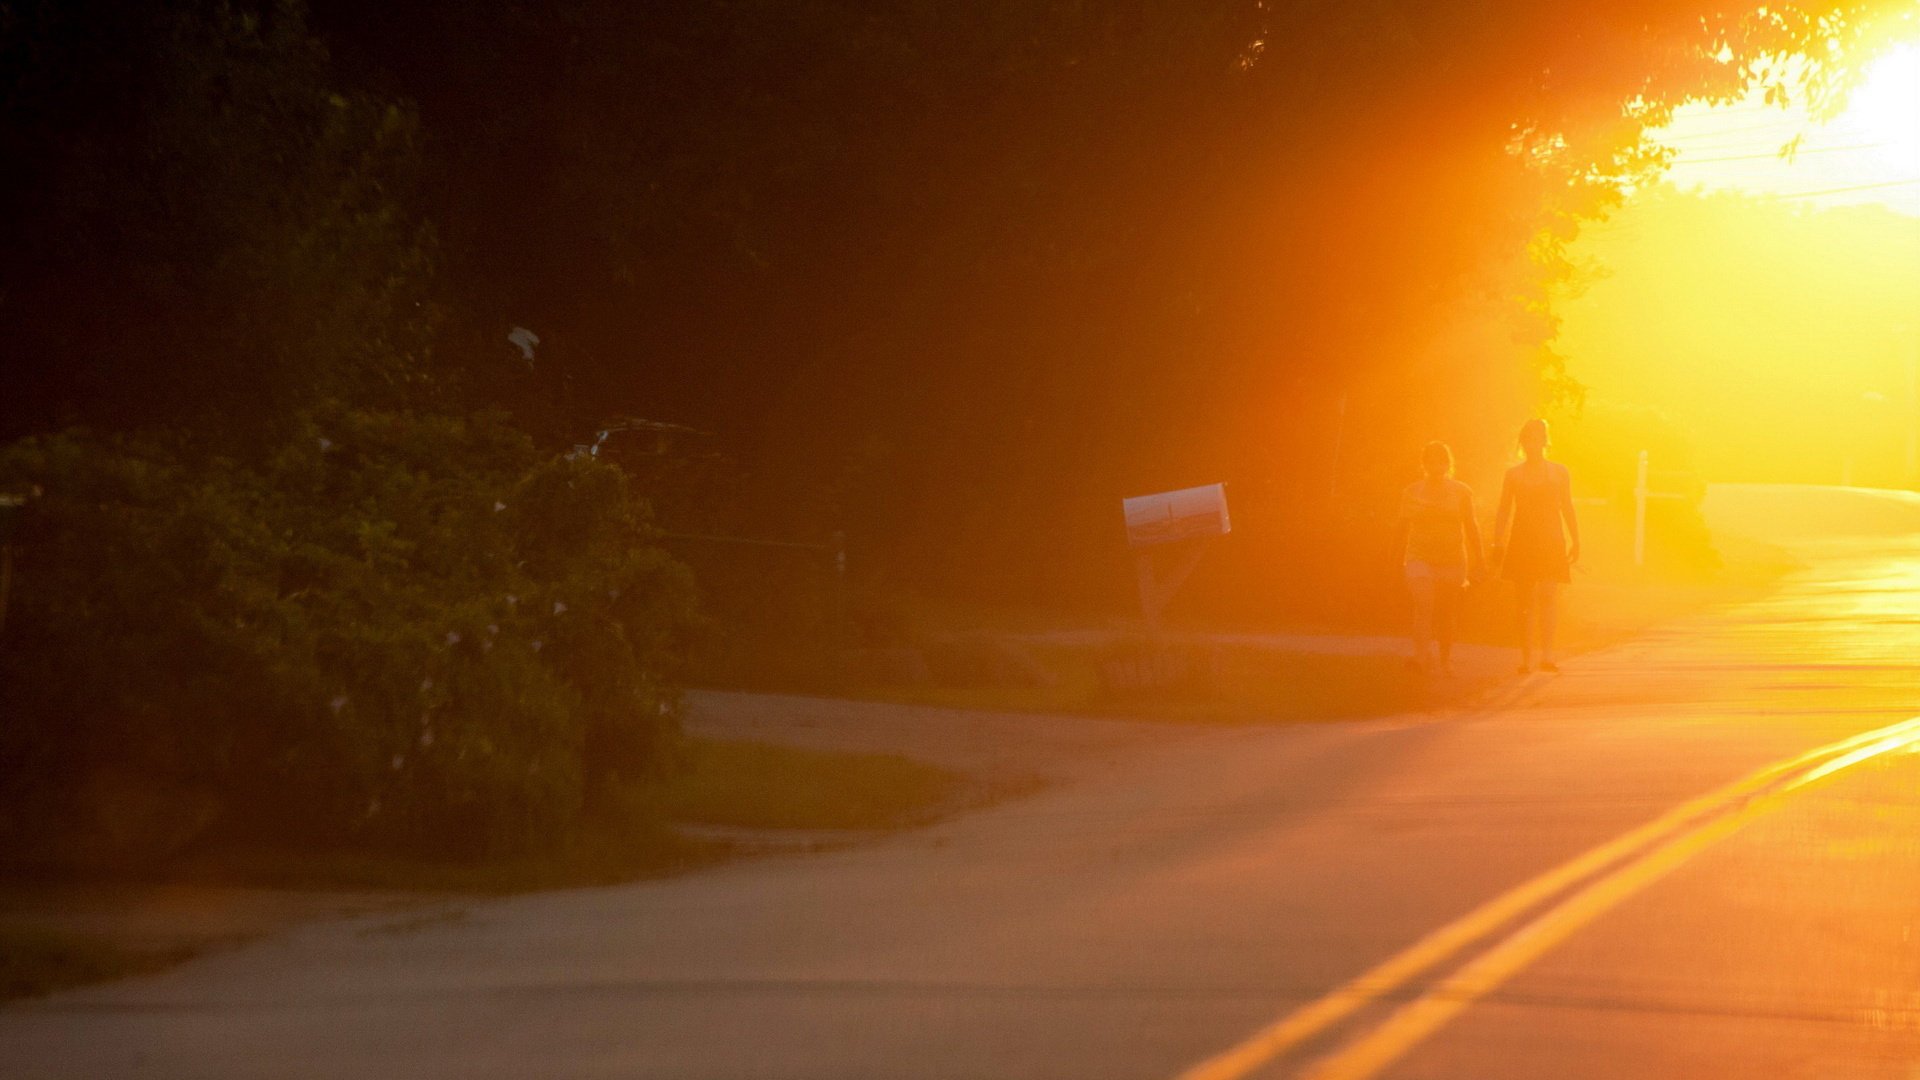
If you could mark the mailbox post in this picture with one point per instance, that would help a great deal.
(1178, 523)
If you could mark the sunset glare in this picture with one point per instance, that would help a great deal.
(1870, 152)
(913, 539)
(1885, 109)
(1800, 271)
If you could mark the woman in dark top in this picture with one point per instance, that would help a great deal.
(1536, 499)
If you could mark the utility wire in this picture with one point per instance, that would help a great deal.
(1850, 188)
(1684, 160)
(1694, 136)
(1735, 146)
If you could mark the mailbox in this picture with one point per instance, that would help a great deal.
(1187, 514)
(1191, 514)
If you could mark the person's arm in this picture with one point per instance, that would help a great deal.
(1402, 526)
(1567, 514)
(1476, 563)
(1503, 515)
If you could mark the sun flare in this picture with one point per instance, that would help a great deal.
(1885, 110)
(1869, 153)
(1798, 270)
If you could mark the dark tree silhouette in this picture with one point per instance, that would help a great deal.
(951, 276)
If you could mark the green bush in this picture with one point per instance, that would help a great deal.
(404, 630)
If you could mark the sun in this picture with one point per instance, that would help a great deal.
(1869, 153)
(1884, 111)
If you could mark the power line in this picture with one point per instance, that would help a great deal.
(1778, 139)
(1849, 188)
(1684, 160)
(1696, 135)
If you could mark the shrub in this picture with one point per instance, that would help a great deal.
(404, 630)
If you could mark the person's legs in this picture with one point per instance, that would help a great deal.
(1523, 592)
(1420, 586)
(1446, 608)
(1547, 603)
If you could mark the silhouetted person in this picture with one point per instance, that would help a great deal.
(1440, 547)
(1537, 497)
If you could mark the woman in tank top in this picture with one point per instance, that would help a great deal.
(1440, 551)
(1537, 499)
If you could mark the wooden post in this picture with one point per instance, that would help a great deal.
(842, 602)
(6, 582)
(1156, 588)
(1339, 436)
(1913, 415)
(1143, 573)
(1640, 513)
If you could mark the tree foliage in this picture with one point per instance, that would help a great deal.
(204, 229)
(287, 578)
(948, 276)
(399, 629)
(1051, 253)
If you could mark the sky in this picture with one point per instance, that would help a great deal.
(1868, 154)
(1769, 338)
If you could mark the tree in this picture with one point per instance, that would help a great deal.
(202, 227)
(286, 584)
(1051, 253)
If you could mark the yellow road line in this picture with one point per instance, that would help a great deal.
(1426, 1014)
(1309, 1020)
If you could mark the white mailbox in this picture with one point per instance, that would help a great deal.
(1187, 514)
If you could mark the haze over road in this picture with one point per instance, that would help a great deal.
(1190, 892)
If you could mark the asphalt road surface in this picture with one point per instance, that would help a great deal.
(1695, 855)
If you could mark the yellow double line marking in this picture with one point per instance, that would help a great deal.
(1623, 865)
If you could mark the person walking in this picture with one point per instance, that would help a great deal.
(1439, 543)
(1536, 499)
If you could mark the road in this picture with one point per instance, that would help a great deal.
(1548, 887)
